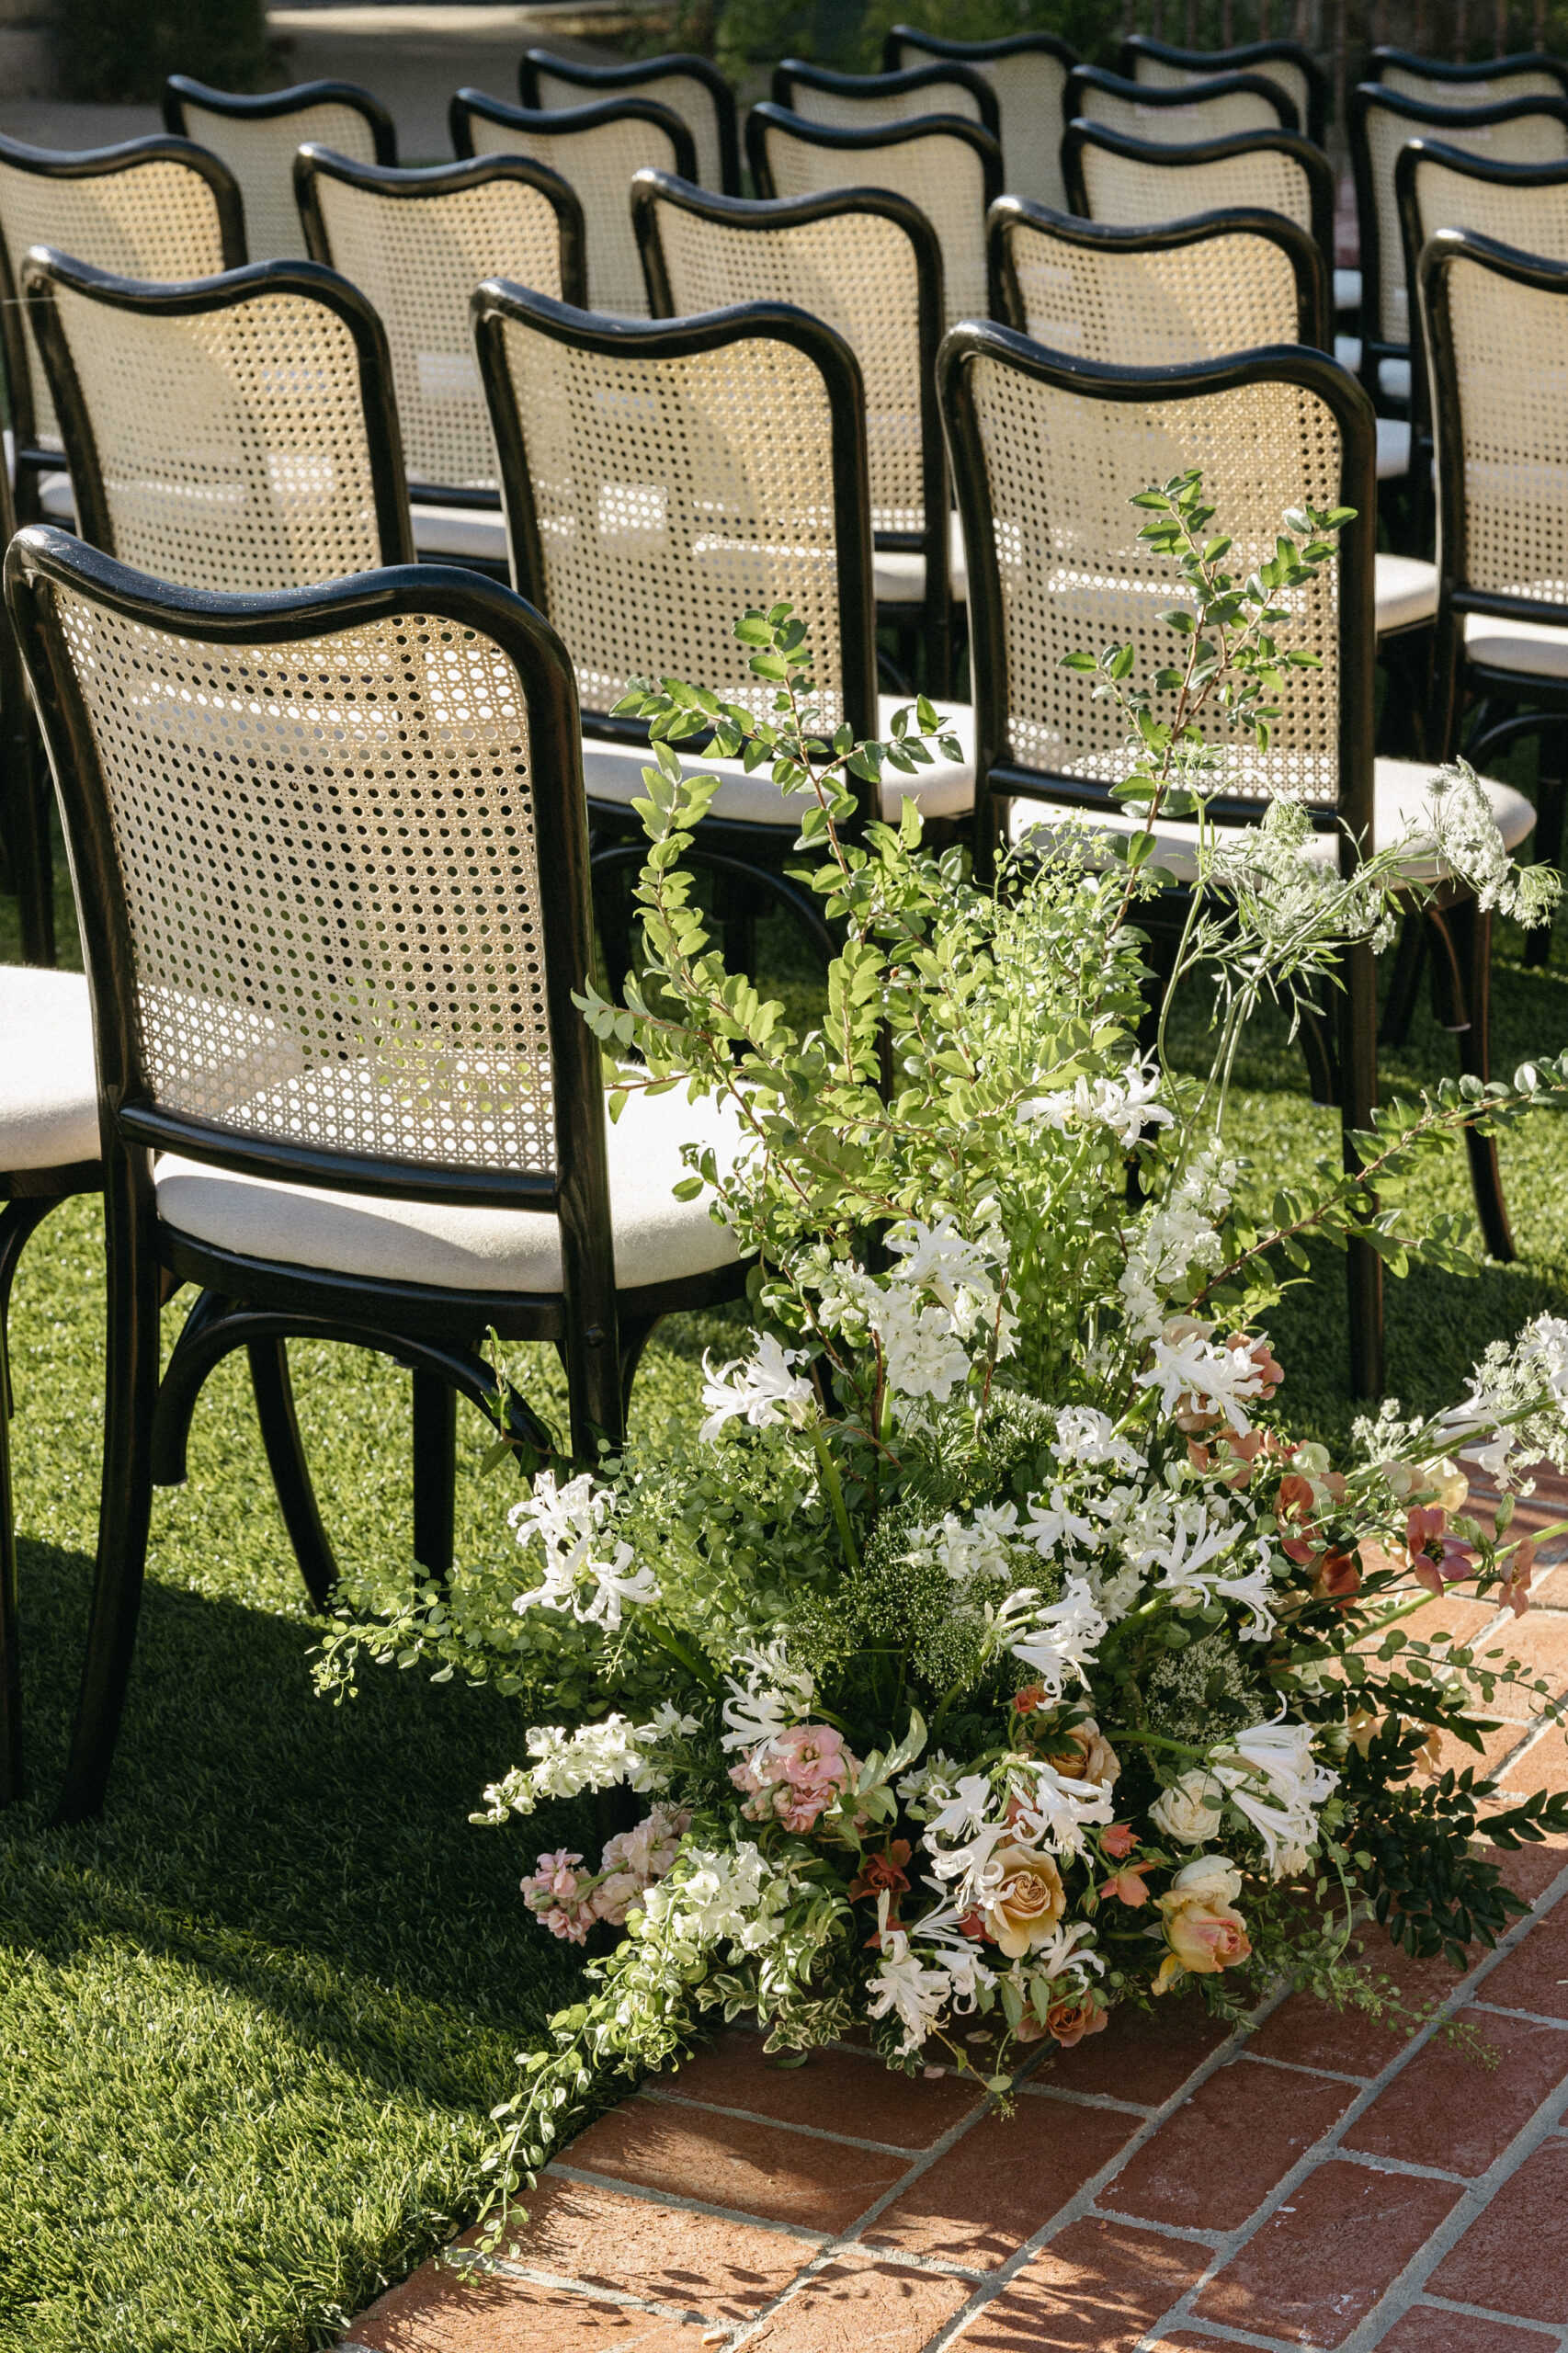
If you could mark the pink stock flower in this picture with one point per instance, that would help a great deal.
(551, 1894)
(797, 1778)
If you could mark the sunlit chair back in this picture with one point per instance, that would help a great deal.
(416, 244)
(865, 101)
(235, 433)
(663, 478)
(151, 208)
(258, 138)
(693, 87)
(1529, 76)
(1159, 66)
(1158, 298)
(867, 262)
(597, 150)
(1526, 129)
(1136, 183)
(949, 168)
(1214, 108)
(1028, 72)
(1048, 452)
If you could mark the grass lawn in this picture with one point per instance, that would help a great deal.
(251, 2024)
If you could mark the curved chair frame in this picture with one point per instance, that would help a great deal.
(1435, 119)
(256, 1303)
(495, 303)
(1441, 75)
(908, 45)
(650, 190)
(973, 53)
(1312, 161)
(609, 81)
(1313, 287)
(469, 107)
(315, 164)
(910, 82)
(272, 104)
(44, 270)
(1252, 57)
(1191, 94)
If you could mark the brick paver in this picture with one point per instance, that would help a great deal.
(1317, 2180)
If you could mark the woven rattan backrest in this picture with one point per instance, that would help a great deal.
(418, 256)
(259, 138)
(1217, 108)
(1438, 85)
(861, 101)
(1046, 471)
(1529, 212)
(220, 435)
(951, 170)
(319, 859)
(857, 268)
(661, 483)
(1162, 300)
(1135, 184)
(157, 216)
(1499, 321)
(1526, 131)
(691, 87)
(596, 150)
(1028, 74)
(1159, 67)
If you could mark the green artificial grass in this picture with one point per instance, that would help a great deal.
(252, 2024)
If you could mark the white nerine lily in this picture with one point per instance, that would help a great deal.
(1279, 1754)
(774, 1695)
(1218, 1380)
(1085, 1435)
(568, 1522)
(1055, 1812)
(1062, 1643)
(762, 1393)
(1126, 1106)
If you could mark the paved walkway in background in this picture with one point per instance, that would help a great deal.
(1319, 2180)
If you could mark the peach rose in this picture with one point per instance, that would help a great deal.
(1204, 1931)
(1069, 2022)
(1025, 1904)
(1084, 1754)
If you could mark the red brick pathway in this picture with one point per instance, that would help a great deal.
(1317, 2180)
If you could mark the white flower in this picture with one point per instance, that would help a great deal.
(1216, 1379)
(1278, 1754)
(923, 1356)
(980, 1549)
(762, 1393)
(904, 1984)
(1125, 1106)
(724, 1893)
(936, 1258)
(1468, 841)
(1212, 1875)
(568, 1521)
(1180, 1813)
(594, 1756)
(1059, 1956)
(1050, 1523)
(1062, 1643)
(1086, 1436)
(774, 1695)
(1055, 1812)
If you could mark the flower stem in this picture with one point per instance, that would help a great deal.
(836, 1496)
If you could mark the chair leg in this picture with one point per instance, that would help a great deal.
(434, 1472)
(130, 1387)
(1404, 989)
(1317, 1052)
(18, 1220)
(736, 904)
(1359, 1069)
(635, 1334)
(290, 1472)
(1549, 799)
(1470, 928)
(28, 796)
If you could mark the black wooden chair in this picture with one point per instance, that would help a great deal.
(1156, 65)
(1028, 72)
(693, 87)
(259, 138)
(862, 101)
(331, 850)
(1215, 108)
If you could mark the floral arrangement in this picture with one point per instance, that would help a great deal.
(990, 1656)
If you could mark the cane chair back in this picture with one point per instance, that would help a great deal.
(416, 244)
(151, 207)
(259, 138)
(239, 432)
(1530, 75)
(863, 101)
(1156, 298)
(597, 150)
(1515, 131)
(868, 262)
(950, 169)
(1047, 455)
(1216, 108)
(1296, 70)
(662, 479)
(1497, 329)
(692, 86)
(1133, 184)
(1028, 72)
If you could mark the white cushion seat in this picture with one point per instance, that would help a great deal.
(614, 772)
(1393, 447)
(1538, 648)
(1405, 591)
(49, 1089)
(899, 573)
(656, 1238)
(1347, 290)
(1399, 790)
(463, 532)
(1393, 379)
